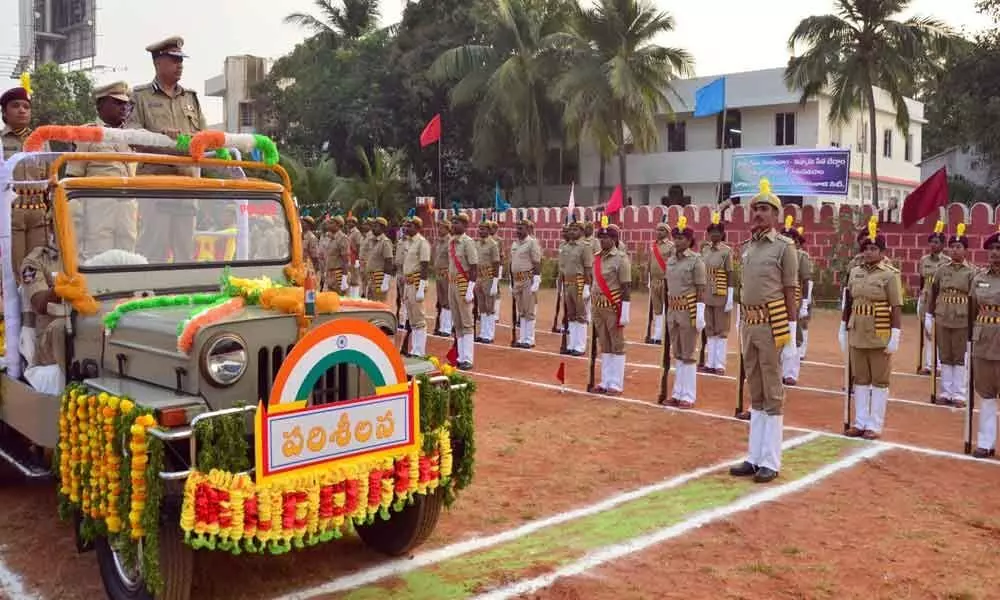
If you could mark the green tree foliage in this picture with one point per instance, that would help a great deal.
(338, 21)
(381, 187)
(318, 189)
(60, 98)
(859, 47)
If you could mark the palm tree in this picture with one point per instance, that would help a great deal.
(317, 188)
(351, 20)
(617, 78)
(382, 184)
(507, 77)
(857, 48)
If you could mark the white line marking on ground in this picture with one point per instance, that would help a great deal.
(617, 551)
(431, 557)
(11, 583)
(711, 415)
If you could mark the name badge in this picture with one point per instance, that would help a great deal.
(983, 285)
(156, 104)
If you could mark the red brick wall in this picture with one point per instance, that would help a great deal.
(905, 247)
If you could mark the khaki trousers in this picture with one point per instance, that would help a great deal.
(461, 311)
(574, 304)
(951, 343)
(28, 228)
(108, 223)
(683, 335)
(441, 285)
(987, 377)
(717, 321)
(610, 337)
(484, 301)
(871, 366)
(525, 298)
(656, 288)
(50, 343)
(163, 234)
(762, 362)
(415, 308)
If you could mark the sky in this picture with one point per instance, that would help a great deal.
(745, 38)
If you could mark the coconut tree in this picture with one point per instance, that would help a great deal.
(617, 78)
(344, 20)
(857, 48)
(381, 187)
(507, 77)
(317, 188)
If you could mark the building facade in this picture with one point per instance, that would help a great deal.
(962, 162)
(235, 86)
(761, 115)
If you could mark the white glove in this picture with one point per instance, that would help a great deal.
(699, 317)
(792, 333)
(804, 309)
(843, 298)
(729, 300)
(421, 288)
(842, 336)
(928, 325)
(536, 281)
(500, 272)
(386, 278)
(495, 286)
(893, 344)
(586, 291)
(920, 305)
(623, 319)
(343, 283)
(357, 264)
(470, 293)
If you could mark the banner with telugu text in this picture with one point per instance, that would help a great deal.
(799, 172)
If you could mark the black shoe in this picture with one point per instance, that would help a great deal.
(465, 366)
(577, 353)
(764, 475)
(478, 340)
(743, 470)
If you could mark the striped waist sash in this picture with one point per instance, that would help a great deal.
(575, 280)
(413, 278)
(989, 314)
(601, 301)
(953, 296)
(721, 280)
(882, 312)
(523, 276)
(686, 302)
(774, 313)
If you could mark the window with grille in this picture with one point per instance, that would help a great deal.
(784, 129)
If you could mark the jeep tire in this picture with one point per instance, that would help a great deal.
(404, 530)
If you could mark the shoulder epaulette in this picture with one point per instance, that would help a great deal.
(142, 87)
(785, 239)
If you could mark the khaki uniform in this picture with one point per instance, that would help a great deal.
(951, 311)
(576, 262)
(37, 273)
(461, 250)
(986, 334)
(418, 251)
(684, 274)
(400, 253)
(105, 223)
(719, 266)
(489, 254)
(524, 255)
(380, 256)
(166, 227)
(310, 250)
(658, 273)
(875, 290)
(355, 237)
(337, 260)
(770, 264)
(613, 269)
(28, 217)
(367, 244)
(928, 266)
(441, 267)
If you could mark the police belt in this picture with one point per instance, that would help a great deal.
(989, 314)
(685, 302)
(721, 280)
(523, 276)
(413, 278)
(774, 313)
(954, 296)
(879, 309)
(442, 273)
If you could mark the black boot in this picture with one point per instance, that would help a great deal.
(743, 470)
(764, 475)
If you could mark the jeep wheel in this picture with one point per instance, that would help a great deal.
(125, 582)
(407, 529)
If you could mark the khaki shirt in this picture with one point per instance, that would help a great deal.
(954, 281)
(575, 259)
(154, 110)
(719, 265)
(770, 264)
(465, 251)
(867, 284)
(354, 237)
(489, 254)
(401, 249)
(986, 336)
(666, 250)
(616, 270)
(525, 254)
(929, 264)
(38, 275)
(379, 254)
(100, 168)
(338, 253)
(685, 272)
(595, 244)
(418, 251)
(805, 271)
(310, 248)
(441, 259)
(25, 170)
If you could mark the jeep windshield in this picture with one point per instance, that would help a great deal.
(139, 230)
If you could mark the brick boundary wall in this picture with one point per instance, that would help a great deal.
(904, 246)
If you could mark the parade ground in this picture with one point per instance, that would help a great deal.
(582, 496)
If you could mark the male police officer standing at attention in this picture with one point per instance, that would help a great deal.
(163, 106)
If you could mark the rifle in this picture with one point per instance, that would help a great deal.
(934, 351)
(515, 321)
(971, 404)
(848, 371)
(565, 332)
(741, 412)
(920, 341)
(593, 352)
(649, 311)
(559, 295)
(664, 360)
(437, 315)
(399, 300)
(701, 354)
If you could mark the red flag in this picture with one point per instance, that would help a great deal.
(929, 196)
(561, 373)
(452, 355)
(431, 132)
(615, 202)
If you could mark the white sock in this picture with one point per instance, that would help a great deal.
(987, 438)
(862, 405)
(959, 384)
(880, 398)
(805, 344)
(657, 327)
(483, 326)
(757, 418)
(445, 325)
(617, 382)
(529, 331)
(354, 291)
(773, 435)
(677, 391)
(945, 382)
(720, 352)
(605, 369)
(418, 342)
(691, 389)
(928, 355)
(787, 368)
(470, 344)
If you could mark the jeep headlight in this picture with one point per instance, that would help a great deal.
(225, 360)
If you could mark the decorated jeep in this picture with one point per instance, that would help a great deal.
(216, 402)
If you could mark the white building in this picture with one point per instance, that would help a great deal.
(762, 115)
(235, 87)
(964, 162)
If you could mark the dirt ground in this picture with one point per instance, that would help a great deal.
(900, 525)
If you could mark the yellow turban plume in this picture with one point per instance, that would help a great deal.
(682, 222)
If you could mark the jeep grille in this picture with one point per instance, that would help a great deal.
(333, 386)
